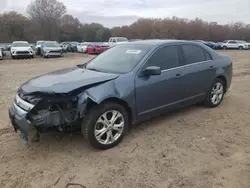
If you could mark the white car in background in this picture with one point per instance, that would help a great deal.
(117, 40)
(235, 44)
(82, 47)
(1, 53)
(21, 49)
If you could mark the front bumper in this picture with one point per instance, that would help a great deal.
(20, 54)
(51, 54)
(18, 116)
(30, 120)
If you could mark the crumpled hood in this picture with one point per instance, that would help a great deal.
(65, 81)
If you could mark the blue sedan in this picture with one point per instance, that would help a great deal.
(127, 84)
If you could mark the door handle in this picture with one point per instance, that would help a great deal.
(211, 67)
(178, 75)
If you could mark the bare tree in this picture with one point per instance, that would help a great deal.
(47, 14)
(70, 28)
(13, 26)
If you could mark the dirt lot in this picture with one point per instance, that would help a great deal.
(195, 147)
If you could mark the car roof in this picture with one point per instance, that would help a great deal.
(158, 42)
(20, 42)
(49, 41)
(155, 43)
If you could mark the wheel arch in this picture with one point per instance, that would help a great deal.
(224, 80)
(91, 103)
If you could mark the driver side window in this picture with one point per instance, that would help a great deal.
(166, 58)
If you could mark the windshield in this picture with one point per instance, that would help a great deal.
(39, 42)
(121, 39)
(51, 44)
(119, 59)
(74, 43)
(21, 44)
(85, 44)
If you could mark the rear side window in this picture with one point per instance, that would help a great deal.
(165, 58)
(207, 55)
(193, 54)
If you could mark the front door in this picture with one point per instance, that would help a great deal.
(159, 92)
(232, 44)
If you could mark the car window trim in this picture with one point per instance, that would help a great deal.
(167, 45)
(204, 50)
(186, 65)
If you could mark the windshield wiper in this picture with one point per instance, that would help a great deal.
(81, 65)
(93, 69)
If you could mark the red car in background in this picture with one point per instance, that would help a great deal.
(96, 48)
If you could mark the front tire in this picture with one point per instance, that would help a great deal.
(240, 48)
(215, 94)
(224, 47)
(105, 125)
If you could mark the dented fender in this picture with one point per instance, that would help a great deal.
(109, 90)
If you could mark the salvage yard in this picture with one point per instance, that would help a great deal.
(195, 147)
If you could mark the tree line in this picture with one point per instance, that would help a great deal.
(48, 20)
(185, 29)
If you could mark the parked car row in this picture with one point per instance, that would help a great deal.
(228, 44)
(23, 49)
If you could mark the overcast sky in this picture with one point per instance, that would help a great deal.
(122, 12)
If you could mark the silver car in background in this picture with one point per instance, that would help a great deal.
(50, 49)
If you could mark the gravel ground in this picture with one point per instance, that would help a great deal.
(194, 147)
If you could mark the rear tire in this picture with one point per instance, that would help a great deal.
(215, 94)
(94, 122)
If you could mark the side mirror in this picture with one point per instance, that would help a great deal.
(152, 70)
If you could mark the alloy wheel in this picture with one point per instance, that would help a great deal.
(217, 93)
(109, 127)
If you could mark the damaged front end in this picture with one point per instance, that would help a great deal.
(46, 112)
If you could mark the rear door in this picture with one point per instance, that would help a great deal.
(159, 92)
(198, 72)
